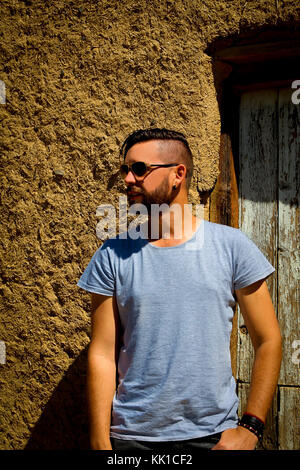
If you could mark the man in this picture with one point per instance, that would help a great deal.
(162, 311)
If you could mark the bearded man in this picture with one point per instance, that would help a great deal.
(162, 310)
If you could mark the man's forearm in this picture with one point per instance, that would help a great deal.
(264, 378)
(101, 386)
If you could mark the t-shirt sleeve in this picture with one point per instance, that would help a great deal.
(250, 265)
(98, 276)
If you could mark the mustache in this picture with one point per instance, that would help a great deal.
(133, 190)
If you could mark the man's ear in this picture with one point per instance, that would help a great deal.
(180, 175)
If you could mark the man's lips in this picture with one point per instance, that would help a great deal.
(134, 193)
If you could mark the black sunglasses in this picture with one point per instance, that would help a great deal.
(139, 169)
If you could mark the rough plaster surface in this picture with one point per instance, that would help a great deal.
(79, 77)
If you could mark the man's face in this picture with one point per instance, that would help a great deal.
(156, 186)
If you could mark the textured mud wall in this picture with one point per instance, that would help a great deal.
(79, 77)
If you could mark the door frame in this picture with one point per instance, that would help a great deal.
(268, 61)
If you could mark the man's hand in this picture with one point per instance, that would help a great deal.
(236, 439)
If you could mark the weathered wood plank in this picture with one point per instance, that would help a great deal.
(224, 210)
(224, 198)
(258, 193)
(269, 441)
(289, 418)
(289, 233)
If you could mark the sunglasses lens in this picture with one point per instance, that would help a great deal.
(124, 170)
(139, 168)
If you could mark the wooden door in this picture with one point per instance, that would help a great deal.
(269, 187)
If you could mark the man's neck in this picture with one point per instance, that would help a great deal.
(172, 227)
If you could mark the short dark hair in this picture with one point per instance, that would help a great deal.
(143, 135)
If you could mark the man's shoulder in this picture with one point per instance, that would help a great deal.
(223, 230)
(123, 244)
(229, 238)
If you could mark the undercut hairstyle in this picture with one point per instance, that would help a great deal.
(183, 149)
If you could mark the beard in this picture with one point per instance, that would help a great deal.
(161, 195)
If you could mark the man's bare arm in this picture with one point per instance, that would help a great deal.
(260, 319)
(261, 322)
(101, 371)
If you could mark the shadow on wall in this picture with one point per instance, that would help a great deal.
(64, 421)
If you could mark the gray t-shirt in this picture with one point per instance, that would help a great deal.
(176, 306)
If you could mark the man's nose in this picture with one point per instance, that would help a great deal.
(130, 178)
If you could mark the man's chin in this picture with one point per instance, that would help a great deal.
(135, 199)
(141, 200)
